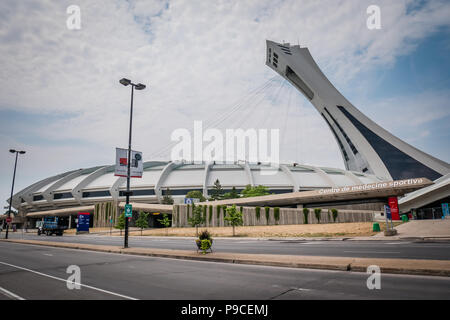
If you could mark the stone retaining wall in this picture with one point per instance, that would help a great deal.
(287, 216)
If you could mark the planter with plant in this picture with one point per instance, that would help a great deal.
(204, 241)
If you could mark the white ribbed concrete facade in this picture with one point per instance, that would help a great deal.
(98, 184)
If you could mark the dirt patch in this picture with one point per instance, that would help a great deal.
(352, 229)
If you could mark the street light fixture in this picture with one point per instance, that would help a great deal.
(12, 188)
(138, 86)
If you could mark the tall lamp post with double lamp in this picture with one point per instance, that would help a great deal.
(138, 86)
(12, 188)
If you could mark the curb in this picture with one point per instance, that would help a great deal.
(394, 266)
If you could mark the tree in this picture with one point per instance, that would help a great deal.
(217, 191)
(165, 221)
(167, 199)
(231, 195)
(196, 194)
(234, 217)
(255, 191)
(197, 218)
(120, 222)
(142, 221)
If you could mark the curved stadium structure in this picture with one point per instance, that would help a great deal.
(370, 154)
(98, 184)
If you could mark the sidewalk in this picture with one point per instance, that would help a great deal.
(425, 229)
(399, 266)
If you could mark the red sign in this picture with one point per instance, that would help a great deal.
(393, 204)
(8, 220)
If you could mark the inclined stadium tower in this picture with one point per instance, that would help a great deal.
(370, 153)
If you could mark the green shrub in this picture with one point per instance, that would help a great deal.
(317, 212)
(218, 213)
(204, 235)
(305, 215)
(335, 213)
(241, 209)
(276, 213)
(204, 213)
(258, 213)
(205, 245)
(267, 214)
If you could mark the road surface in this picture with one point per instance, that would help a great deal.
(38, 272)
(368, 249)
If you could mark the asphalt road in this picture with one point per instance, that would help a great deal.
(369, 249)
(37, 272)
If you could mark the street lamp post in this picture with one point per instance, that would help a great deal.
(12, 188)
(138, 86)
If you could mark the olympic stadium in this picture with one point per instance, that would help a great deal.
(370, 154)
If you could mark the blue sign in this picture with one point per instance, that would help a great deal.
(445, 211)
(128, 211)
(387, 210)
(188, 200)
(83, 222)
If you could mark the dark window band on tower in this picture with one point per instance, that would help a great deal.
(350, 143)
(299, 83)
(341, 146)
(399, 164)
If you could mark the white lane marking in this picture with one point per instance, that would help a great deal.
(65, 280)
(48, 254)
(372, 251)
(9, 294)
(397, 242)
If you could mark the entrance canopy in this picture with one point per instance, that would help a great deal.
(365, 191)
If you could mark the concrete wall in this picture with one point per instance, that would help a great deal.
(103, 211)
(287, 216)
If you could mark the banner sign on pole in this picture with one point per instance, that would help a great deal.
(83, 222)
(128, 211)
(136, 166)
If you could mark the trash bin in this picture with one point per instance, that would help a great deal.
(376, 227)
(405, 218)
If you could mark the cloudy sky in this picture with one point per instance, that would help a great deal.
(60, 99)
